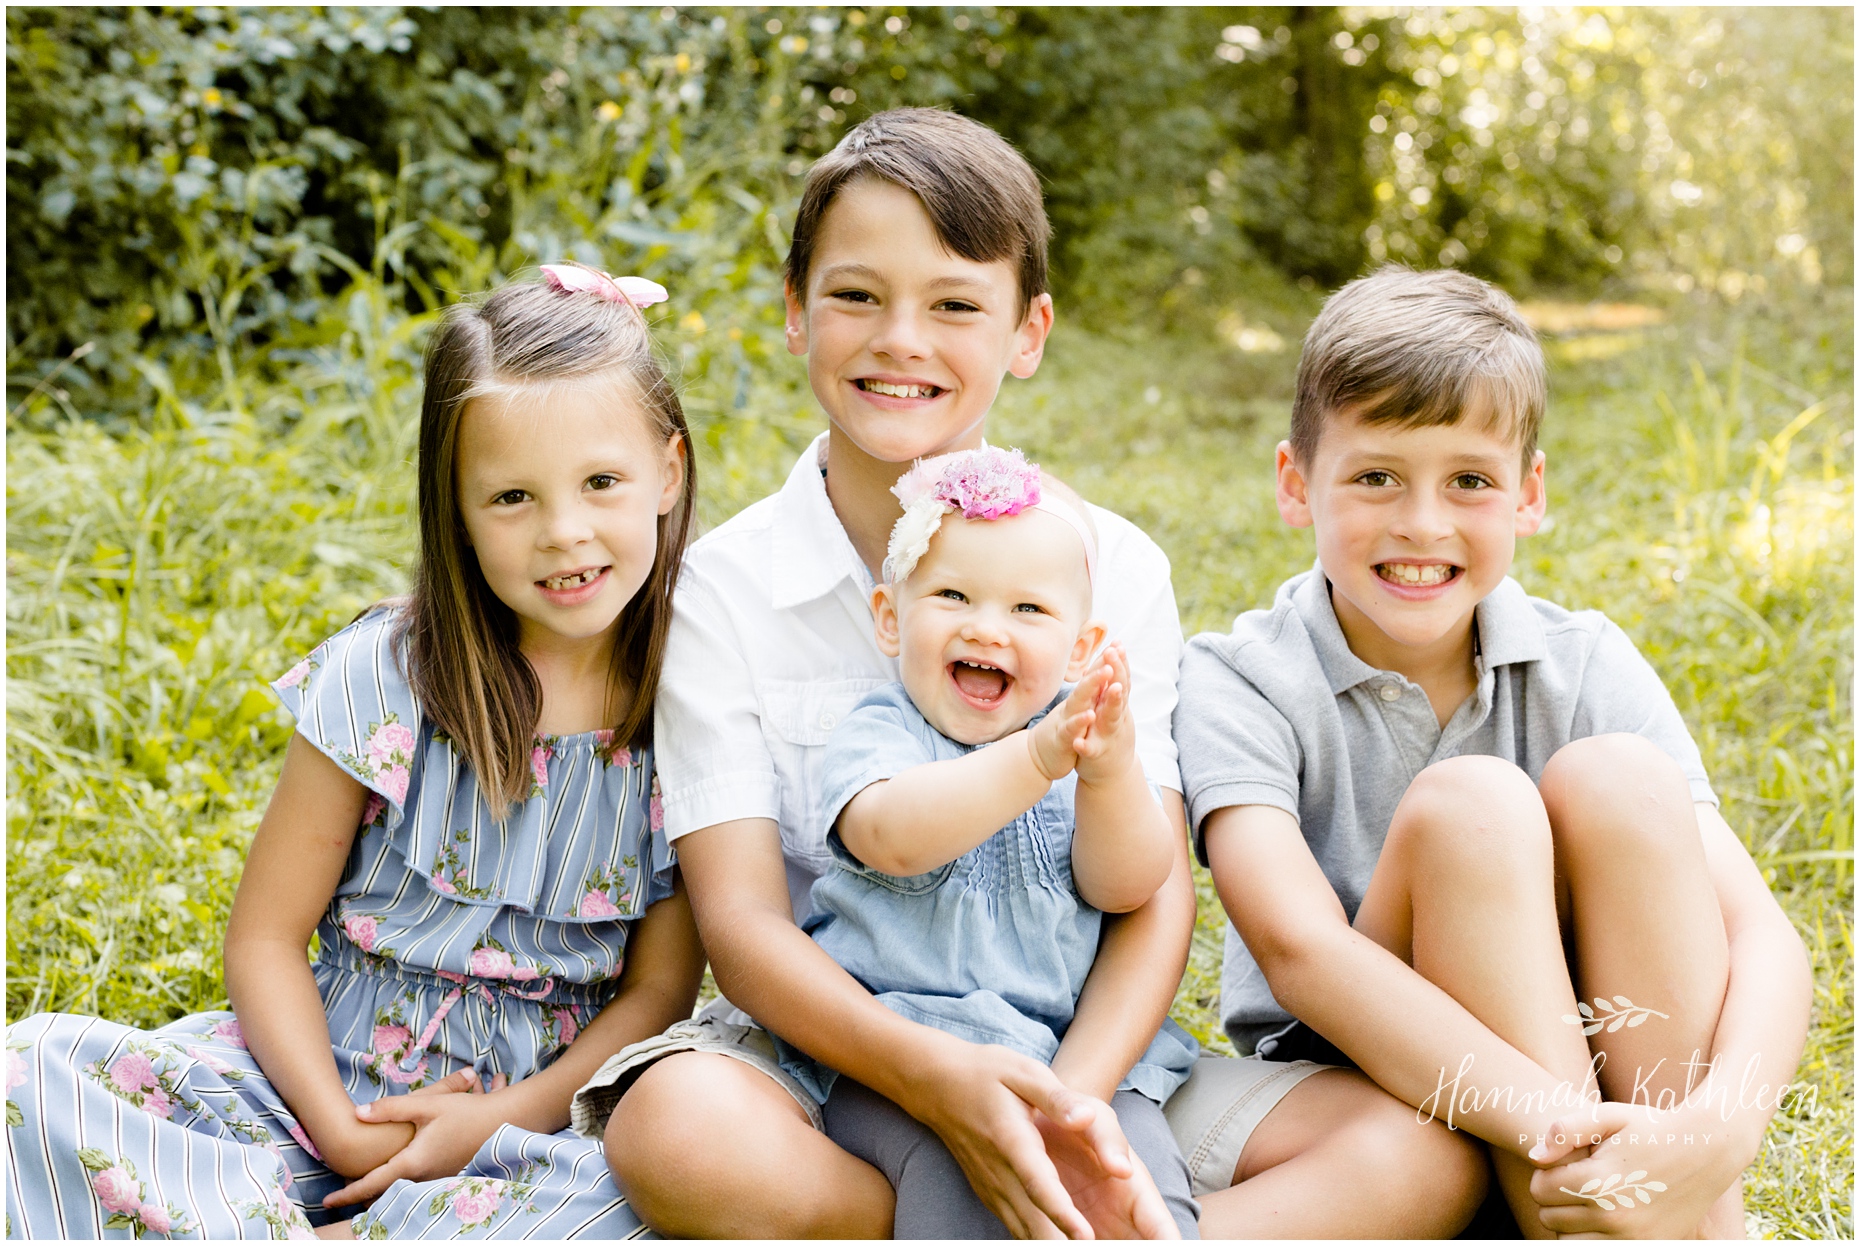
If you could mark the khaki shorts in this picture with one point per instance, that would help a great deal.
(1220, 1105)
(718, 1029)
(1211, 1116)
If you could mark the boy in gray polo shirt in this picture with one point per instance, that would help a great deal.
(1439, 811)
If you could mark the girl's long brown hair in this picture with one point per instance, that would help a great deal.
(461, 641)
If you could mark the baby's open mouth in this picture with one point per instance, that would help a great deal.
(898, 391)
(574, 579)
(1411, 575)
(979, 683)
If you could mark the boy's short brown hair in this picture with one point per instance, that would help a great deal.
(982, 196)
(1416, 349)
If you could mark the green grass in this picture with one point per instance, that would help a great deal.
(158, 576)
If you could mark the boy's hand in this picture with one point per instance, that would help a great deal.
(1055, 740)
(994, 1108)
(1119, 1204)
(1652, 1173)
(451, 1120)
(1109, 744)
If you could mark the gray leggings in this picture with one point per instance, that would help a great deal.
(934, 1198)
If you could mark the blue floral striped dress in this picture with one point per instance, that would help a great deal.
(452, 941)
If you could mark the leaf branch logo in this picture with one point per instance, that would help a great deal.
(1618, 1190)
(1623, 1011)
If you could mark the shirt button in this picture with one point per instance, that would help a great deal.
(1390, 692)
(828, 722)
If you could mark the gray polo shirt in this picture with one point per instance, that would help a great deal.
(1280, 712)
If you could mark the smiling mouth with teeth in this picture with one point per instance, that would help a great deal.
(979, 682)
(899, 391)
(576, 580)
(1413, 576)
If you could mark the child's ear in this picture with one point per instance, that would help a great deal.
(1293, 493)
(1089, 642)
(885, 620)
(797, 318)
(674, 473)
(1030, 341)
(1533, 498)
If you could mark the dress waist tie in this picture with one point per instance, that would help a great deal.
(462, 986)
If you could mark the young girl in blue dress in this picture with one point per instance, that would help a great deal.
(467, 823)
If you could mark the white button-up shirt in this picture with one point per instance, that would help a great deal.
(771, 645)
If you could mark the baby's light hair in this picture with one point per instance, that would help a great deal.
(462, 654)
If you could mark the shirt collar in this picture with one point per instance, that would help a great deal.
(810, 551)
(1508, 630)
(1310, 594)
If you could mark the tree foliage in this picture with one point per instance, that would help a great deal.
(189, 185)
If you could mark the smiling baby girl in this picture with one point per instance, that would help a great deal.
(983, 817)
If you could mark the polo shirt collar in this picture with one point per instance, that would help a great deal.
(810, 551)
(1508, 630)
(1311, 599)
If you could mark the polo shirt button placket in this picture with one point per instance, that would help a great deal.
(1389, 692)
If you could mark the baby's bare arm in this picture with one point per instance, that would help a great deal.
(1122, 849)
(929, 815)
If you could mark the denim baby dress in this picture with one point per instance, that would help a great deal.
(993, 947)
(452, 941)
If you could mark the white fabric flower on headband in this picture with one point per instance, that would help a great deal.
(989, 483)
(576, 278)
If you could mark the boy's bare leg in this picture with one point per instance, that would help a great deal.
(1465, 892)
(1645, 921)
(1341, 1157)
(707, 1146)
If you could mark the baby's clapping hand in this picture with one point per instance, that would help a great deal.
(1091, 731)
(1109, 743)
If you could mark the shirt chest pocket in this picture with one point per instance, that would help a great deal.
(797, 717)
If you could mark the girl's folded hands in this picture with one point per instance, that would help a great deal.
(450, 1120)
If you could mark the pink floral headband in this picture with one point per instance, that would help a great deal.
(989, 483)
(635, 292)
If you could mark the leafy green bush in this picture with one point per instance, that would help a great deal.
(190, 184)
(200, 198)
(1677, 148)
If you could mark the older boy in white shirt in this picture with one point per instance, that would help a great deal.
(915, 284)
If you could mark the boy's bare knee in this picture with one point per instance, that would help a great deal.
(1474, 813)
(1621, 789)
(704, 1145)
(679, 1103)
(1601, 765)
(1437, 1167)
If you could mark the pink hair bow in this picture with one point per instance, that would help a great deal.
(636, 291)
